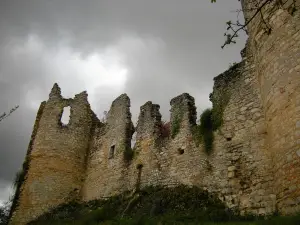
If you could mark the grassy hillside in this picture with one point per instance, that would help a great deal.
(178, 205)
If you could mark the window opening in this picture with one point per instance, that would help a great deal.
(133, 140)
(180, 151)
(65, 118)
(111, 151)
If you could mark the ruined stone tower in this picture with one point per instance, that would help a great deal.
(255, 162)
(57, 155)
(277, 69)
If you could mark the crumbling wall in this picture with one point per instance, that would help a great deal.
(57, 158)
(238, 168)
(160, 159)
(147, 162)
(107, 170)
(278, 72)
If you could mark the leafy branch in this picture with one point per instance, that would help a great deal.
(236, 27)
(257, 9)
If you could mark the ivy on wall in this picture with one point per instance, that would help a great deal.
(222, 92)
(128, 154)
(210, 121)
(204, 131)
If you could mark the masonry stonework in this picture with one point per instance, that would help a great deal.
(255, 162)
(56, 161)
(278, 73)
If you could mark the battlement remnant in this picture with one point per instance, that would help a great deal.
(55, 92)
(149, 121)
(119, 125)
(183, 113)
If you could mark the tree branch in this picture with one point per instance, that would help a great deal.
(242, 27)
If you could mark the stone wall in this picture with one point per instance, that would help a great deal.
(278, 72)
(240, 141)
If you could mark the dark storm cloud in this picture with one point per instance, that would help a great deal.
(167, 47)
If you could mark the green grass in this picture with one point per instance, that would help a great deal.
(153, 206)
(97, 217)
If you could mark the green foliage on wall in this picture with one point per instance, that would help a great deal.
(175, 126)
(206, 127)
(203, 133)
(128, 154)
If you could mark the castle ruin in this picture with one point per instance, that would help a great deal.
(255, 162)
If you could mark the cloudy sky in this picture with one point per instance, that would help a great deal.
(151, 50)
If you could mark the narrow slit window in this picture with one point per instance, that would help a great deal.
(111, 152)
